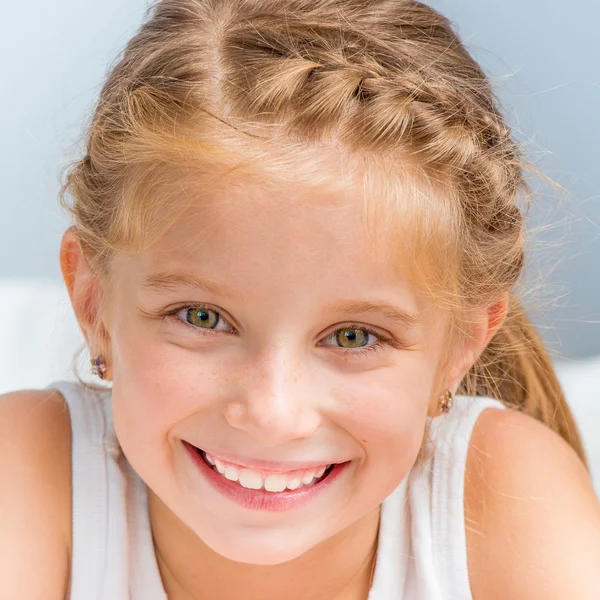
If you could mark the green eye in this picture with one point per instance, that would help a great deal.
(202, 317)
(356, 338)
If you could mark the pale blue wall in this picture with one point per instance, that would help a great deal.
(543, 55)
(53, 56)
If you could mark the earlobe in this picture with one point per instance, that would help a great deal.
(489, 322)
(496, 315)
(69, 258)
(82, 285)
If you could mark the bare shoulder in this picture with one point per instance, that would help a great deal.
(532, 518)
(35, 495)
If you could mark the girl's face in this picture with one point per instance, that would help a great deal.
(263, 331)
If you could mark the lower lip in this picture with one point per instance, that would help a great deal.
(261, 499)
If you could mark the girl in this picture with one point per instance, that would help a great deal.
(296, 237)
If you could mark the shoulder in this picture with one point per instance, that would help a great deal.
(35, 497)
(532, 518)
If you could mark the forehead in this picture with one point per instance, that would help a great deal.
(293, 238)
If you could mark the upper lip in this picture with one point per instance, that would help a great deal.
(266, 466)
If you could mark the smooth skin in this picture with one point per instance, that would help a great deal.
(273, 381)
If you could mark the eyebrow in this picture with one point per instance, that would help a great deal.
(395, 313)
(161, 282)
(164, 282)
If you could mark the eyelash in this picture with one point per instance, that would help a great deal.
(381, 343)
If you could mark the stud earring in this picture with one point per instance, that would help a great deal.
(446, 402)
(98, 367)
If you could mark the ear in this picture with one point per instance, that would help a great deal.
(85, 292)
(483, 327)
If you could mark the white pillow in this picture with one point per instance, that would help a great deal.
(39, 335)
(580, 380)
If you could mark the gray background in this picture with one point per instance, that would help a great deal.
(542, 55)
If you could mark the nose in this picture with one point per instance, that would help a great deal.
(275, 403)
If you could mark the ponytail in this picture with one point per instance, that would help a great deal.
(516, 369)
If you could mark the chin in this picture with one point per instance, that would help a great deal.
(257, 546)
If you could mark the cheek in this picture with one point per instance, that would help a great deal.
(157, 393)
(385, 411)
(157, 386)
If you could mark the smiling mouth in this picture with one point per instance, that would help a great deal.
(271, 482)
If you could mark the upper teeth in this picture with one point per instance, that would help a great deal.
(270, 482)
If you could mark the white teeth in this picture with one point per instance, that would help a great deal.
(275, 483)
(271, 483)
(251, 480)
(308, 477)
(231, 473)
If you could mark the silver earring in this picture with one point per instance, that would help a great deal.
(98, 367)
(446, 401)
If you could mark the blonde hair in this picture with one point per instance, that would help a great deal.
(260, 88)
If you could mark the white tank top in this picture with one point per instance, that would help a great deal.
(421, 551)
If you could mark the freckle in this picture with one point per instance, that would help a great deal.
(364, 441)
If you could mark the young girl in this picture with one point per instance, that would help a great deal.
(296, 236)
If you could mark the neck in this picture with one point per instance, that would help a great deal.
(339, 568)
